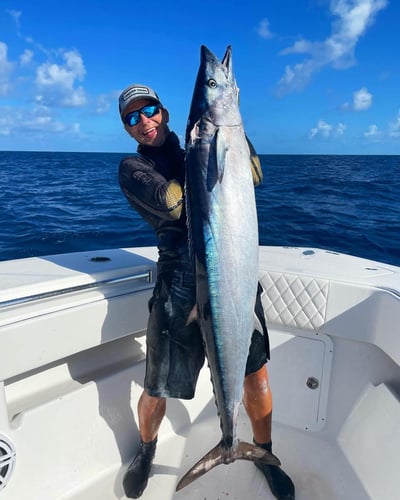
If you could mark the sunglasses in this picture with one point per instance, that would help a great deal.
(133, 118)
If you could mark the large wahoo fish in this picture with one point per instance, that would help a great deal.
(224, 240)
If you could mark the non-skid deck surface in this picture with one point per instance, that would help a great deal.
(317, 465)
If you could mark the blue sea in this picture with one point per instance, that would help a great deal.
(68, 202)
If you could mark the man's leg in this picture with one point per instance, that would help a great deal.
(151, 411)
(257, 400)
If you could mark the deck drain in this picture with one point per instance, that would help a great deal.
(7, 460)
(312, 383)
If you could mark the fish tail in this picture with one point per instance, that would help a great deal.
(220, 454)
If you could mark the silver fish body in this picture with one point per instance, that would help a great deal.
(223, 234)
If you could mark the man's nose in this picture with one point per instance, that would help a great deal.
(144, 118)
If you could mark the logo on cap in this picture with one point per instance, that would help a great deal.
(135, 90)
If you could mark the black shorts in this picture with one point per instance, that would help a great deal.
(175, 351)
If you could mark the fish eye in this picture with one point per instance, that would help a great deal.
(212, 83)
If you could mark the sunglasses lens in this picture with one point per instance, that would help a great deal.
(150, 111)
(132, 119)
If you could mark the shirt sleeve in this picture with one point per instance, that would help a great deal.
(255, 164)
(146, 187)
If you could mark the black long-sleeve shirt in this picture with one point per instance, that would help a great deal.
(153, 184)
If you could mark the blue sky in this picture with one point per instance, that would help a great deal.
(315, 76)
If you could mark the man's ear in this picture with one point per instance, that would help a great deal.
(165, 114)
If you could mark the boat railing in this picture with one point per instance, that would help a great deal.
(143, 277)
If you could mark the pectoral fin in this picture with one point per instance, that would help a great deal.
(221, 149)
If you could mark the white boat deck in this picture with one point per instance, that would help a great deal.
(72, 340)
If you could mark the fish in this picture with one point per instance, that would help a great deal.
(223, 241)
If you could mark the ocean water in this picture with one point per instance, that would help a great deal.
(67, 202)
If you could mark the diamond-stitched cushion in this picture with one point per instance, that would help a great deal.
(297, 301)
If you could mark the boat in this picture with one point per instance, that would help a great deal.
(72, 344)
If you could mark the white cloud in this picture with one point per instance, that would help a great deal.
(340, 129)
(372, 131)
(16, 15)
(362, 99)
(103, 103)
(327, 130)
(76, 128)
(373, 134)
(351, 20)
(26, 58)
(43, 80)
(263, 29)
(394, 127)
(37, 120)
(322, 128)
(299, 47)
(6, 68)
(391, 132)
(57, 82)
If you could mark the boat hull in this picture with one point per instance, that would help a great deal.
(77, 322)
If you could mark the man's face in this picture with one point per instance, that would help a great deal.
(148, 131)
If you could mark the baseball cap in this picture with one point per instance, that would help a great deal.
(135, 92)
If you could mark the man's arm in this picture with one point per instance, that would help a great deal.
(147, 188)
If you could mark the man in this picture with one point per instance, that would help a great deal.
(153, 184)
